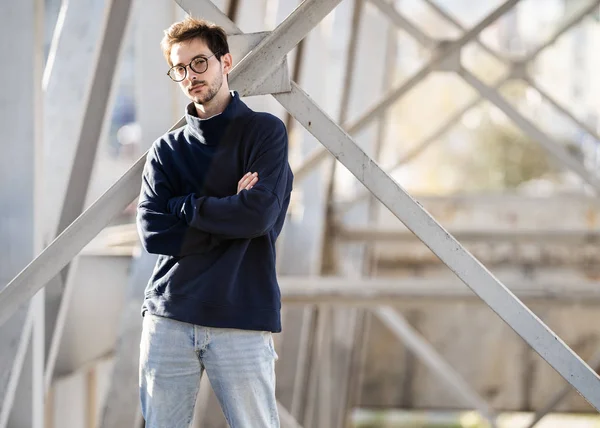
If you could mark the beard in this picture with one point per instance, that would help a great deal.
(208, 92)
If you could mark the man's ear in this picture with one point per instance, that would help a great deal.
(227, 61)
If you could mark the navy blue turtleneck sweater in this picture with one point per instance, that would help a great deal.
(216, 264)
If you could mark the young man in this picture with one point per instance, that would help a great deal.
(213, 201)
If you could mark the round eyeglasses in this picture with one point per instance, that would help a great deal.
(198, 65)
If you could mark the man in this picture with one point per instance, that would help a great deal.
(213, 201)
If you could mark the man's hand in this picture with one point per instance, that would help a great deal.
(247, 182)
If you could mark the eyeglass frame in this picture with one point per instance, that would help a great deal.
(185, 67)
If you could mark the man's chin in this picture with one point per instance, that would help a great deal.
(197, 99)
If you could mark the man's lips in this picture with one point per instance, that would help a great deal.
(197, 86)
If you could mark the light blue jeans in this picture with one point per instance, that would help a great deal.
(240, 365)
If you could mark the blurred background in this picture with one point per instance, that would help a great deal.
(495, 134)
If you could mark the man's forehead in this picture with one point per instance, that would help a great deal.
(185, 51)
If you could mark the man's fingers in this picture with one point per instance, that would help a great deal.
(246, 178)
(248, 181)
(243, 179)
(252, 183)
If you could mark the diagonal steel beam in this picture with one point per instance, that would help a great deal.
(68, 244)
(21, 218)
(380, 107)
(458, 25)
(555, 149)
(389, 100)
(400, 21)
(209, 11)
(552, 147)
(89, 130)
(558, 106)
(430, 357)
(561, 395)
(427, 141)
(499, 298)
(16, 367)
(462, 263)
(253, 69)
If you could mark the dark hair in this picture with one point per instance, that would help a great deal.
(192, 28)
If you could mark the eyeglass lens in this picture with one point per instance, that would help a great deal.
(179, 72)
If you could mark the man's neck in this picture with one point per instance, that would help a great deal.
(214, 107)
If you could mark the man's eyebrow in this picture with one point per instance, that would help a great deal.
(197, 56)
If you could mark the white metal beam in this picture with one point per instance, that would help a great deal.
(317, 156)
(156, 110)
(122, 400)
(557, 150)
(95, 111)
(401, 22)
(558, 106)
(252, 70)
(209, 11)
(429, 356)
(286, 418)
(561, 395)
(11, 378)
(433, 5)
(461, 262)
(499, 298)
(519, 235)
(38, 350)
(20, 226)
(86, 95)
(67, 84)
(344, 291)
(70, 242)
(81, 231)
(390, 99)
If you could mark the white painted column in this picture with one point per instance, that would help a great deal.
(66, 84)
(301, 252)
(159, 104)
(252, 17)
(20, 91)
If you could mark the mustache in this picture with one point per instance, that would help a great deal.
(196, 83)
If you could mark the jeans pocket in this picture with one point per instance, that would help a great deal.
(270, 344)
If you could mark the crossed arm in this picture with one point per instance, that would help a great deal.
(184, 225)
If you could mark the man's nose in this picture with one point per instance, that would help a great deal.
(192, 74)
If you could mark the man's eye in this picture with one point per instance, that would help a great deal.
(199, 61)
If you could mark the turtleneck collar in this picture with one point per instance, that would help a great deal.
(209, 131)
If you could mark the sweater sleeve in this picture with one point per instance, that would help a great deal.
(160, 231)
(250, 213)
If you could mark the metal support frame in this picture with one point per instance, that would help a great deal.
(22, 349)
(16, 367)
(561, 394)
(517, 71)
(433, 5)
(345, 324)
(386, 102)
(400, 21)
(499, 298)
(555, 149)
(89, 128)
(429, 356)
(562, 109)
(460, 261)
(383, 234)
(341, 291)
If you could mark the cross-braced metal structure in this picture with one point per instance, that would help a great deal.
(313, 399)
